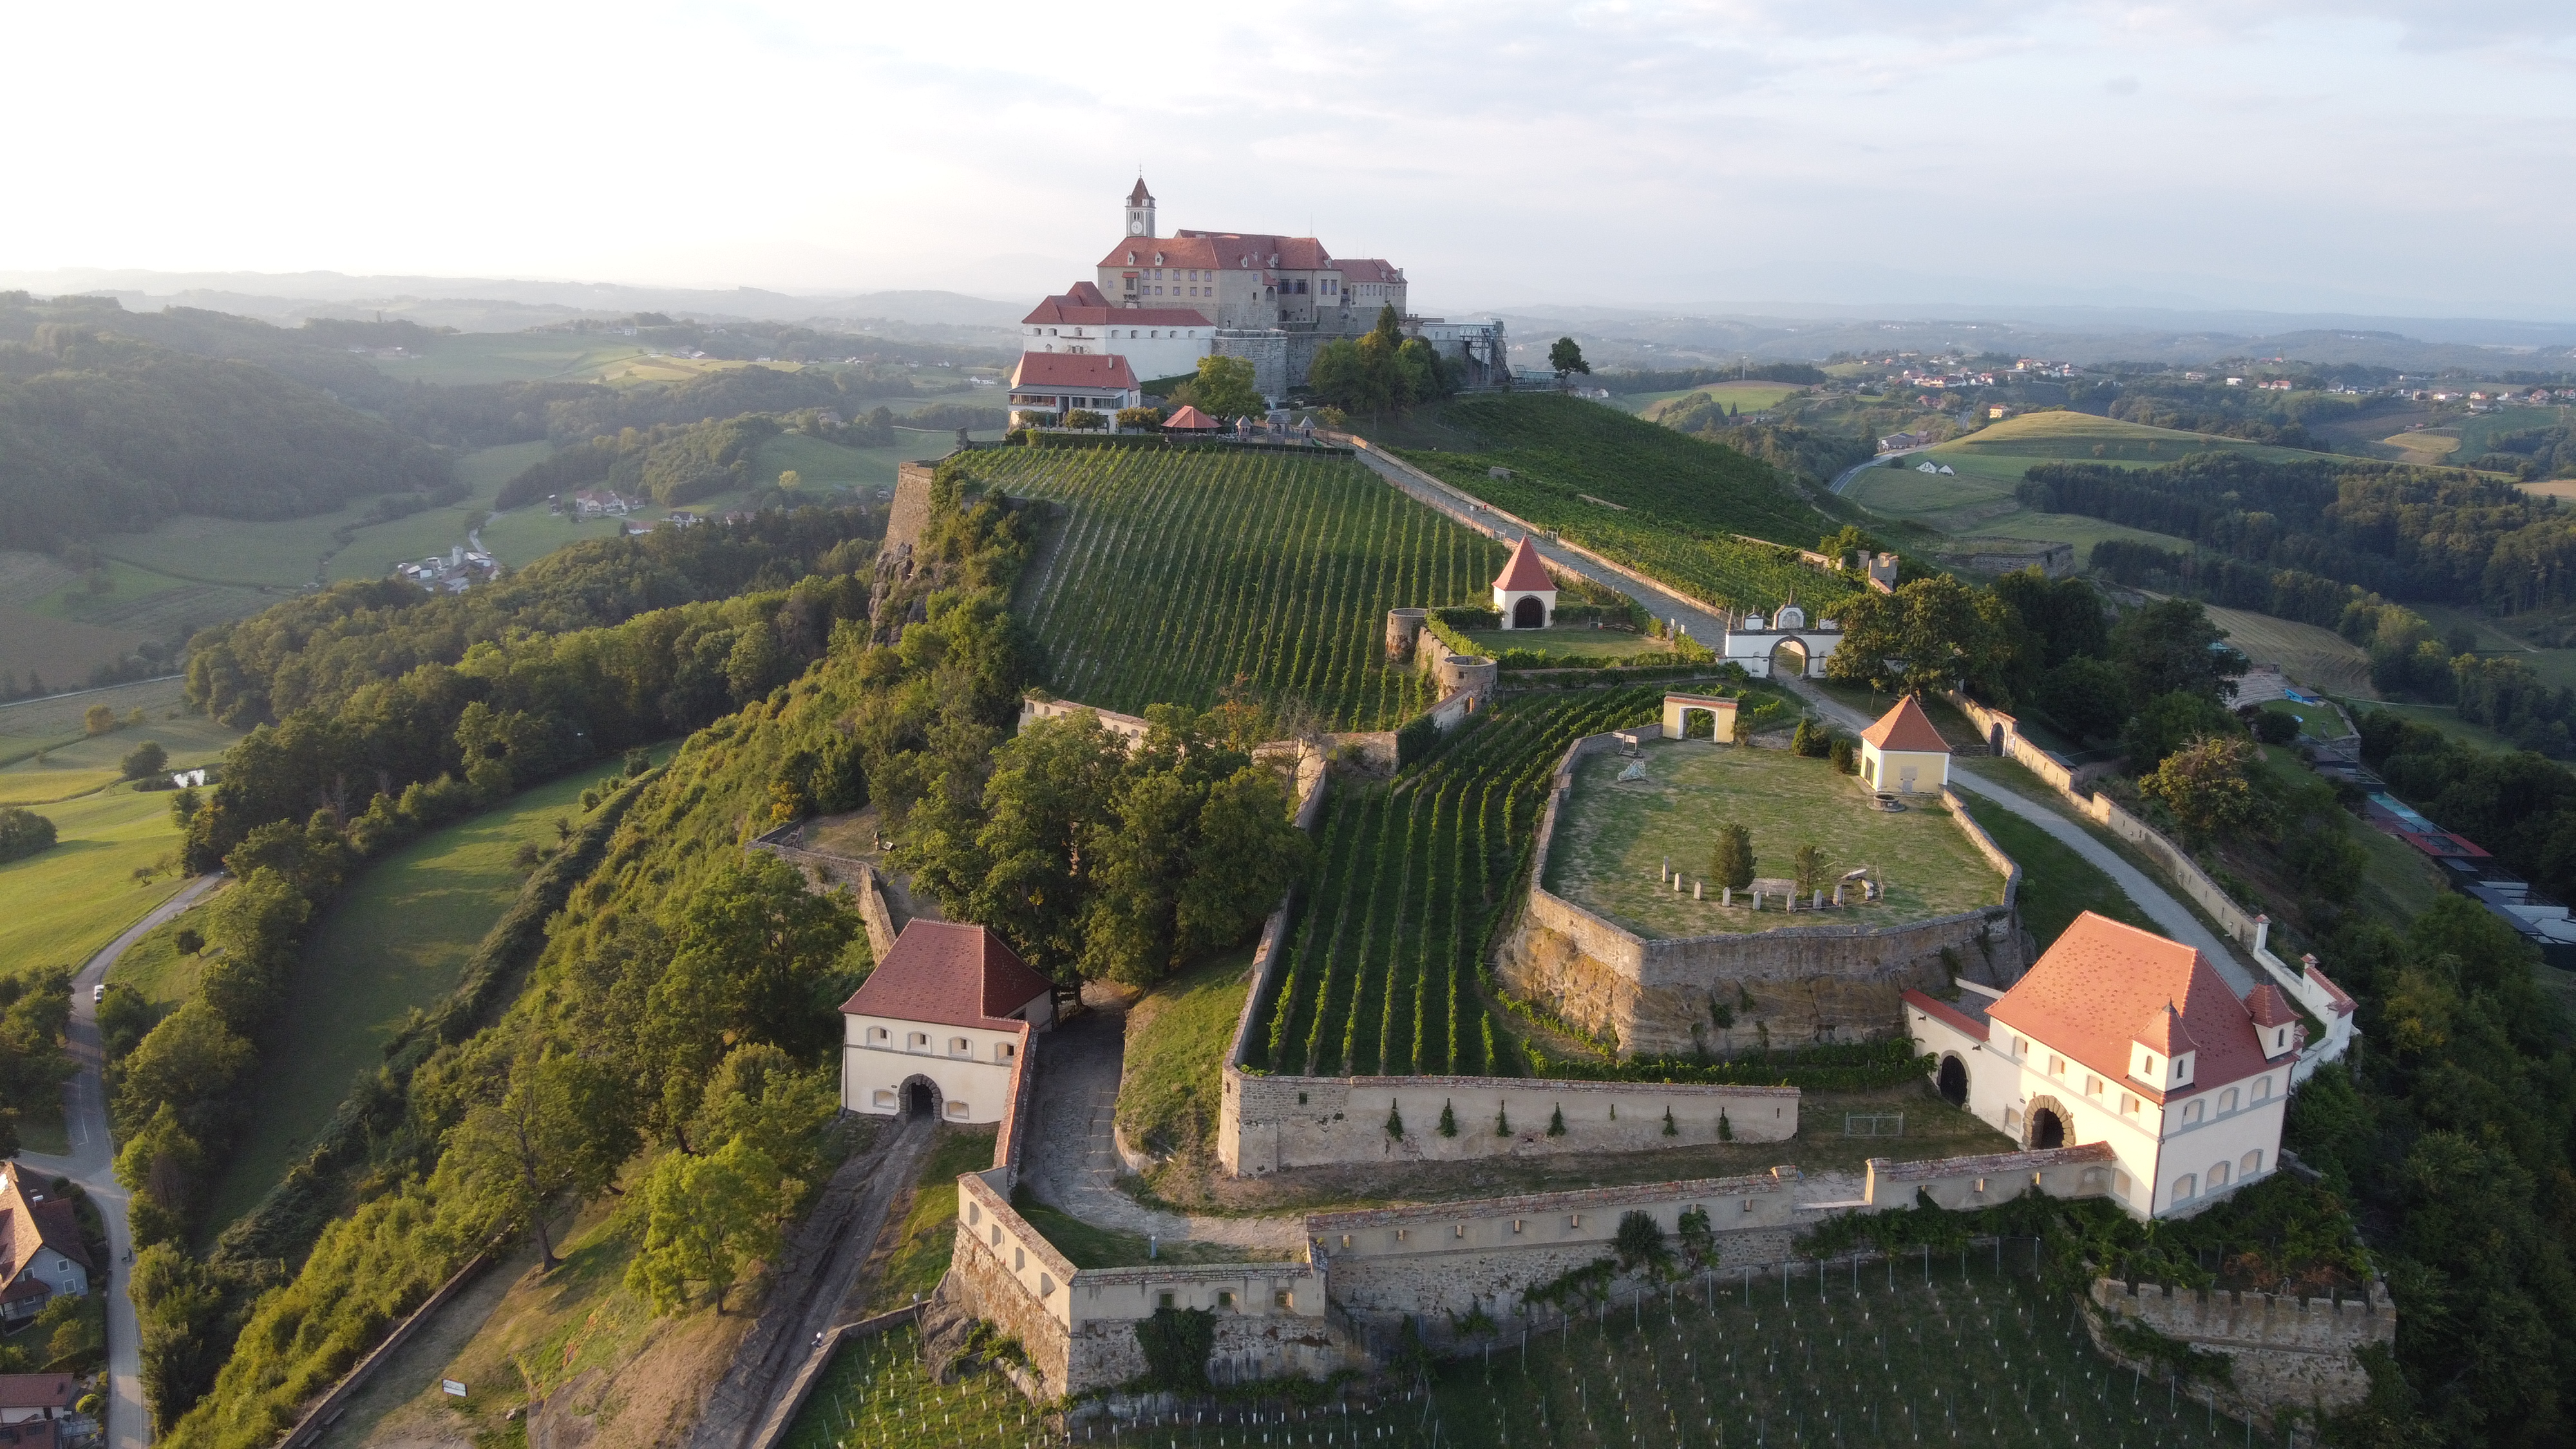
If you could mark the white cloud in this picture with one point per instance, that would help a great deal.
(1505, 153)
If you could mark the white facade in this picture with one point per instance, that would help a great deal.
(970, 1068)
(1151, 351)
(1785, 646)
(1507, 602)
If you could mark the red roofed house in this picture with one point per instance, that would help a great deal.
(2120, 1036)
(1156, 341)
(1524, 594)
(36, 1398)
(941, 1025)
(40, 1247)
(1190, 420)
(1047, 385)
(1904, 753)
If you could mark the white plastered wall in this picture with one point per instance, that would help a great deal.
(972, 1066)
(1506, 600)
(1885, 769)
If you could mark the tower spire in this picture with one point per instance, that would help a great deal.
(1140, 207)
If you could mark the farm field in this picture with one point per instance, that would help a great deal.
(157, 968)
(471, 357)
(2428, 445)
(2087, 438)
(398, 938)
(1378, 975)
(1679, 502)
(1612, 838)
(1751, 397)
(55, 720)
(1171, 574)
(1750, 1357)
(2317, 657)
(60, 905)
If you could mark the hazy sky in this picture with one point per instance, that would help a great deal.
(2368, 154)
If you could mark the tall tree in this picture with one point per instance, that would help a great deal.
(706, 1219)
(1565, 355)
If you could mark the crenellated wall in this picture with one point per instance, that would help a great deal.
(2288, 1353)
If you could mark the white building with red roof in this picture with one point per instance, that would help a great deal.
(41, 1253)
(1156, 341)
(37, 1398)
(1904, 753)
(1047, 385)
(1273, 299)
(941, 1026)
(1784, 645)
(2121, 1037)
(1524, 592)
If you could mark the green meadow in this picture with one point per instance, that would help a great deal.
(397, 939)
(60, 905)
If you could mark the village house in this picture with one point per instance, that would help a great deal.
(41, 1254)
(1904, 753)
(2121, 1037)
(36, 1399)
(940, 1027)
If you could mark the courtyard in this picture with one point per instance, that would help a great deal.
(1613, 838)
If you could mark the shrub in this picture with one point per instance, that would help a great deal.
(1846, 755)
(1730, 862)
(23, 833)
(145, 759)
(2276, 726)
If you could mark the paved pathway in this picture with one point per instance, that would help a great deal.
(92, 1164)
(1072, 1156)
(2161, 905)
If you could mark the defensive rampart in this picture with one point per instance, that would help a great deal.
(1270, 1123)
(1736, 991)
(2285, 1353)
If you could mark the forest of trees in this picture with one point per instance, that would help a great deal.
(2403, 532)
(2279, 418)
(1380, 370)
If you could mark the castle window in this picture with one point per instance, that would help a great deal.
(1163, 1300)
(919, 1040)
(1019, 1258)
(2128, 1105)
(2262, 1089)
(2192, 1112)
(2227, 1101)
(957, 1110)
(876, 1033)
(1224, 1299)
(2056, 1066)
(2184, 1186)
(2217, 1176)
(2092, 1086)
(1280, 1299)
(1004, 1052)
(2253, 1162)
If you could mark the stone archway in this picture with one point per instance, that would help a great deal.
(1952, 1079)
(1529, 614)
(1699, 724)
(1789, 659)
(920, 1098)
(2047, 1126)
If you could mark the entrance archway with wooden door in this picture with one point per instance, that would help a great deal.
(921, 1098)
(2047, 1126)
(1952, 1079)
(1529, 614)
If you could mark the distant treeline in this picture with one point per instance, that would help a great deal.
(320, 650)
(1797, 372)
(2404, 532)
(102, 434)
(2280, 418)
(1811, 453)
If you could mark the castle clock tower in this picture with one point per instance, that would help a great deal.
(1140, 210)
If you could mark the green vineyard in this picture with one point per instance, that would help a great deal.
(1379, 976)
(1172, 574)
(1664, 504)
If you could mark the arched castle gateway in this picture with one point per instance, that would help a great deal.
(1784, 646)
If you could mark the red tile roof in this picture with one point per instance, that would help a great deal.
(38, 1391)
(2268, 1007)
(1083, 306)
(1907, 728)
(1190, 420)
(27, 1226)
(1140, 193)
(1073, 369)
(2091, 993)
(1235, 251)
(2163, 1032)
(1525, 570)
(951, 974)
(1945, 1012)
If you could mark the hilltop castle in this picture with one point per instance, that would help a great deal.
(1160, 303)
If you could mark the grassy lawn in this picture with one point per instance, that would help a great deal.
(54, 722)
(2057, 885)
(2084, 437)
(35, 784)
(1176, 1041)
(1584, 645)
(154, 965)
(1612, 838)
(912, 1254)
(397, 939)
(59, 906)
(518, 357)
(190, 739)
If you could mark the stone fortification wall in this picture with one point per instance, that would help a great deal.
(1795, 984)
(827, 873)
(1270, 1123)
(1271, 1321)
(1962, 1183)
(981, 1285)
(2288, 1353)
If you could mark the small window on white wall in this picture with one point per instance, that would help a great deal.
(2185, 1187)
(958, 1046)
(2227, 1101)
(876, 1033)
(884, 1097)
(957, 1109)
(2262, 1089)
(2252, 1163)
(2192, 1112)
(2217, 1176)
(917, 1039)
(1005, 1051)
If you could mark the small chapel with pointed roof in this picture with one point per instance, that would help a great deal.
(1524, 592)
(1904, 753)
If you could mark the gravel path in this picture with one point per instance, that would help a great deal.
(1072, 1160)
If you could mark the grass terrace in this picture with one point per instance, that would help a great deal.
(1576, 646)
(1612, 838)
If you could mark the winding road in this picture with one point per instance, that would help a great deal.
(92, 1164)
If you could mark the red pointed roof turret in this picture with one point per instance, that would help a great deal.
(2269, 1007)
(1526, 571)
(1906, 728)
(2163, 1032)
(1140, 193)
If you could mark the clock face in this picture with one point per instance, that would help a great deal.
(1135, 228)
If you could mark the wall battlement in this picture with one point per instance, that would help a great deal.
(2287, 1352)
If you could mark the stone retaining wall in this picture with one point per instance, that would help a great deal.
(1269, 1123)
(2288, 1353)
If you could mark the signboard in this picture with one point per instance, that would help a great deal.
(451, 1386)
